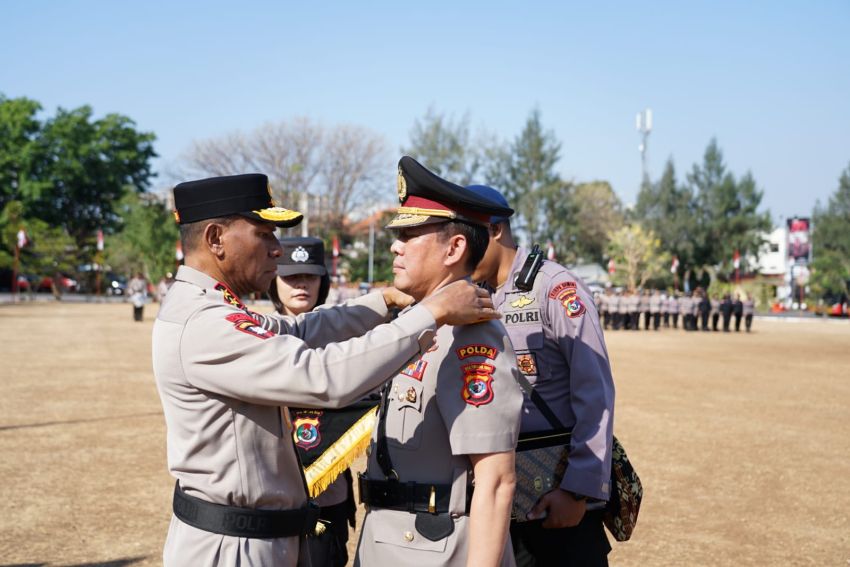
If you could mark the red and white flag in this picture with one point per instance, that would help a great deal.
(22, 238)
(612, 267)
(550, 253)
(335, 247)
(178, 251)
(675, 265)
(736, 260)
(100, 240)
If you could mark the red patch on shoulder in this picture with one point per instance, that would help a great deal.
(477, 383)
(247, 324)
(229, 296)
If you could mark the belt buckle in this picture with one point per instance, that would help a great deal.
(432, 501)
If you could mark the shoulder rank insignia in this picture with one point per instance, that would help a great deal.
(486, 351)
(306, 432)
(247, 324)
(522, 301)
(229, 296)
(567, 294)
(477, 383)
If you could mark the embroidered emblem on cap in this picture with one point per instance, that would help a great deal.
(401, 186)
(567, 294)
(477, 383)
(476, 350)
(247, 324)
(306, 432)
(527, 363)
(300, 254)
(522, 301)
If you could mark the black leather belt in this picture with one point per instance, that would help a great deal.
(243, 522)
(408, 496)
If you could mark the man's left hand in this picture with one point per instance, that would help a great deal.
(562, 510)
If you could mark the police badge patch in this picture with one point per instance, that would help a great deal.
(247, 324)
(567, 294)
(477, 383)
(527, 363)
(306, 432)
(300, 254)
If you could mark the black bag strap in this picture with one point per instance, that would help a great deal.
(382, 454)
(538, 401)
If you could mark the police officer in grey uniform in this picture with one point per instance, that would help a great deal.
(224, 372)
(452, 414)
(655, 302)
(560, 348)
(613, 303)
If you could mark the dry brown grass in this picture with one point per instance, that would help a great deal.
(742, 441)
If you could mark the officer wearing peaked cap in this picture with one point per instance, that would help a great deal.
(451, 414)
(554, 328)
(226, 374)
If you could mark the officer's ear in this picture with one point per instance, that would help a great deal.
(213, 238)
(456, 247)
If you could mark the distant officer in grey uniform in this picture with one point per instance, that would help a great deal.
(686, 310)
(561, 349)
(613, 303)
(602, 306)
(452, 414)
(223, 376)
(749, 307)
(673, 307)
(624, 310)
(715, 312)
(655, 302)
(643, 307)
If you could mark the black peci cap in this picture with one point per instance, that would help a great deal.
(247, 195)
(427, 198)
(301, 255)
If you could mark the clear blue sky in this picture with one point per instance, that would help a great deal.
(770, 80)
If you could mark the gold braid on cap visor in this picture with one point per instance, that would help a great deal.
(277, 214)
(427, 212)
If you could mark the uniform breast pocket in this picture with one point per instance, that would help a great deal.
(405, 415)
(528, 345)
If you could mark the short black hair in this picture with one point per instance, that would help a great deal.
(477, 239)
(192, 232)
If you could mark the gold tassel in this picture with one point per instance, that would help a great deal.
(341, 454)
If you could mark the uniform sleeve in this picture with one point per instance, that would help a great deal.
(477, 391)
(330, 323)
(575, 325)
(225, 351)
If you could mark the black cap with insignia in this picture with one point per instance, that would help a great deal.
(427, 198)
(301, 255)
(247, 195)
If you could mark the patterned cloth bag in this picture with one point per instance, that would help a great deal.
(622, 510)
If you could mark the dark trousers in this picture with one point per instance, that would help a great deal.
(646, 317)
(704, 318)
(715, 317)
(137, 313)
(584, 545)
(726, 319)
(666, 320)
(675, 320)
(606, 318)
(748, 321)
(656, 320)
(636, 320)
(737, 322)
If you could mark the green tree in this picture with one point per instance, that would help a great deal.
(49, 248)
(727, 216)
(637, 254)
(831, 241)
(146, 238)
(443, 145)
(19, 130)
(668, 210)
(382, 261)
(584, 217)
(532, 178)
(85, 167)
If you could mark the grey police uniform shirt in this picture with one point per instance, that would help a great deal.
(560, 348)
(613, 302)
(223, 380)
(459, 398)
(655, 304)
(749, 307)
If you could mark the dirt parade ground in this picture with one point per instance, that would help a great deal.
(742, 441)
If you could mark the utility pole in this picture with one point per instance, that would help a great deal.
(643, 123)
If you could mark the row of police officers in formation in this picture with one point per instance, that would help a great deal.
(654, 309)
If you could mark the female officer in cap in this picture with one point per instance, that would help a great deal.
(302, 283)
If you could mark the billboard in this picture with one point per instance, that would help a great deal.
(799, 240)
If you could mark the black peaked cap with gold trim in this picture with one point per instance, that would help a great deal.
(248, 195)
(427, 198)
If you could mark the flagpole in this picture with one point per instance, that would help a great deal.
(15, 272)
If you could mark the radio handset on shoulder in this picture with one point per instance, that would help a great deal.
(525, 278)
